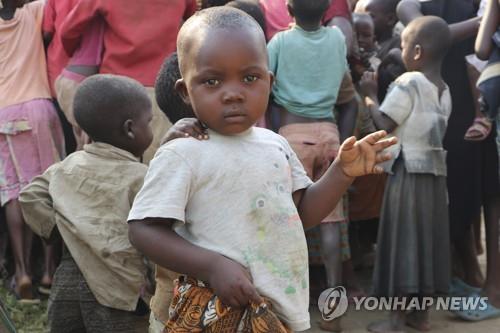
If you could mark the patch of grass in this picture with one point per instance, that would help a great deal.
(27, 318)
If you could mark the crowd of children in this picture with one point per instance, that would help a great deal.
(310, 138)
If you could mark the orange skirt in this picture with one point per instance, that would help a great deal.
(195, 309)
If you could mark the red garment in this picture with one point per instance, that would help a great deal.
(277, 18)
(55, 12)
(138, 35)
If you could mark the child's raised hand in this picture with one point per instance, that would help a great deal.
(233, 284)
(184, 128)
(368, 84)
(359, 158)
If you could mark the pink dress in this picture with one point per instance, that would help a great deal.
(31, 138)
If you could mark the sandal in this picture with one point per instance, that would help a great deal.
(460, 288)
(44, 289)
(478, 314)
(480, 129)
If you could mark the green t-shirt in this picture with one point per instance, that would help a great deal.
(309, 67)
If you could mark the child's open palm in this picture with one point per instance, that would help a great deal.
(360, 157)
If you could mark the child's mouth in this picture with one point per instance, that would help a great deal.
(234, 116)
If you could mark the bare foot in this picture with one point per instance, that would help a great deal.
(418, 321)
(384, 326)
(23, 287)
(46, 280)
(331, 325)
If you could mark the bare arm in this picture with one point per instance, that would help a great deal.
(37, 206)
(409, 10)
(155, 238)
(369, 88)
(346, 27)
(381, 120)
(483, 45)
(465, 29)
(319, 199)
(356, 158)
(347, 118)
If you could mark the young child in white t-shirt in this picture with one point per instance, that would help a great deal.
(413, 238)
(229, 212)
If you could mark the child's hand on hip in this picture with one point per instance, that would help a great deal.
(184, 128)
(360, 157)
(233, 284)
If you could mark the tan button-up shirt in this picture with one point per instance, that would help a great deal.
(88, 197)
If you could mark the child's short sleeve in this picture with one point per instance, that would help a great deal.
(166, 188)
(398, 103)
(300, 179)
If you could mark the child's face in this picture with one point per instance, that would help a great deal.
(409, 52)
(383, 22)
(365, 34)
(226, 80)
(142, 131)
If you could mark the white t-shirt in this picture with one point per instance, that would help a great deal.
(413, 102)
(233, 195)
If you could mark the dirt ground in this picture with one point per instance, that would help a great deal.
(442, 321)
(32, 318)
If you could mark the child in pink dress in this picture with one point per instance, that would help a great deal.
(31, 137)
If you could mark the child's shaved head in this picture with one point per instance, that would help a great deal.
(362, 18)
(309, 11)
(432, 33)
(104, 102)
(252, 8)
(194, 31)
(224, 65)
(386, 5)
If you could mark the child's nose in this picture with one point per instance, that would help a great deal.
(232, 94)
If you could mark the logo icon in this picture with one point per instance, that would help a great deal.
(333, 303)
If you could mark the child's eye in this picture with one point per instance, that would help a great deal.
(211, 82)
(250, 78)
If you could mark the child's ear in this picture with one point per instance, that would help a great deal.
(290, 9)
(418, 52)
(271, 79)
(127, 128)
(181, 88)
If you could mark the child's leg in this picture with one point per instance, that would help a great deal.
(481, 127)
(465, 248)
(4, 239)
(19, 233)
(477, 235)
(331, 253)
(50, 251)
